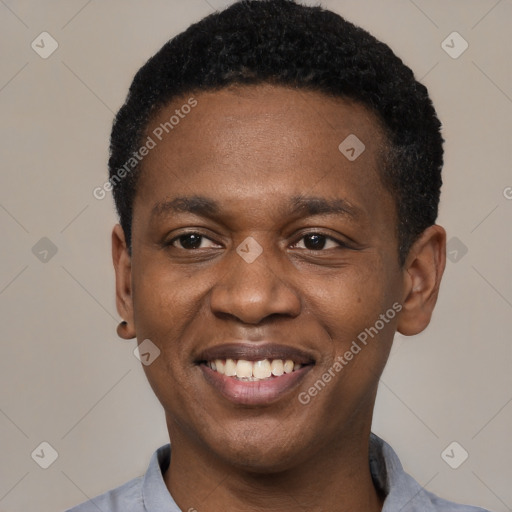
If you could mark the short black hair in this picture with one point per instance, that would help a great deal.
(284, 43)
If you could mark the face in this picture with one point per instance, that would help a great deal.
(260, 253)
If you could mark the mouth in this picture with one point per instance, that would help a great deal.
(254, 374)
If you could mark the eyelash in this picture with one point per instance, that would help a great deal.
(339, 243)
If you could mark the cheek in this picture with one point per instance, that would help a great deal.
(352, 299)
(164, 309)
(349, 308)
(164, 299)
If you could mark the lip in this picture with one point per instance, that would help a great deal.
(263, 392)
(254, 393)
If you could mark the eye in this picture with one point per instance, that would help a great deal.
(190, 241)
(317, 242)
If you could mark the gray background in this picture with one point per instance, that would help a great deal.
(66, 377)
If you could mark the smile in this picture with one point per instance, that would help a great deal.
(254, 374)
(253, 371)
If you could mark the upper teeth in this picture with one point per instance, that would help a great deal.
(253, 370)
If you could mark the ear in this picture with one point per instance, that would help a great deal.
(123, 270)
(423, 270)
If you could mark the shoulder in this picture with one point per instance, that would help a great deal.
(402, 491)
(441, 505)
(137, 495)
(126, 498)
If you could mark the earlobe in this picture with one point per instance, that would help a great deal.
(122, 266)
(123, 331)
(423, 271)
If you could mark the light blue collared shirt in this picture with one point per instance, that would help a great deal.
(149, 493)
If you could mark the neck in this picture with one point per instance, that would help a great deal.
(337, 479)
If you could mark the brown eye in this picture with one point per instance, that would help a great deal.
(317, 242)
(314, 242)
(191, 241)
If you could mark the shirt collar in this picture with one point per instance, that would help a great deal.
(402, 492)
(155, 495)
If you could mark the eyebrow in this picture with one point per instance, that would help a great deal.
(320, 205)
(305, 205)
(198, 205)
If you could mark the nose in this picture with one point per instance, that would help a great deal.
(251, 292)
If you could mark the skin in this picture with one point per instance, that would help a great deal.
(251, 149)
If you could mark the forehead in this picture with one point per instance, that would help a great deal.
(305, 117)
(248, 140)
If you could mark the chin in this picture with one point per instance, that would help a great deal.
(261, 462)
(261, 451)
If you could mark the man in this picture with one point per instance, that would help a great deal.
(277, 174)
